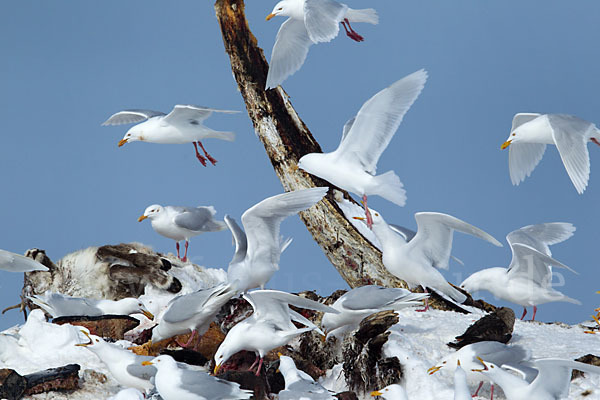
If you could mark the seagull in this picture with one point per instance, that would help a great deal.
(310, 21)
(528, 279)
(551, 382)
(258, 250)
(353, 165)
(270, 325)
(461, 388)
(416, 262)
(176, 383)
(469, 356)
(182, 125)
(181, 223)
(530, 133)
(61, 305)
(17, 263)
(192, 312)
(391, 392)
(358, 303)
(298, 384)
(125, 366)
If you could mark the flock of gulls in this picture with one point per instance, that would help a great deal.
(415, 257)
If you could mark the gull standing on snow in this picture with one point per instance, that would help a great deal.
(353, 165)
(258, 250)
(528, 279)
(469, 356)
(17, 263)
(531, 133)
(175, 383)
(310, 21)
(61, 305)
(270, 325)
(181, 223)
(358, 303)
(125, 366)
(416, 262)
(298, 384)
(551, 383)
(182, 125)
(192, 312)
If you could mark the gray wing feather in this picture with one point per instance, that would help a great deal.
(142, 371)
(17, 263)
(199, 219)
(540, 236)
(571, 135)
(322, 18)
(372, 297)
(533, 265)
(522, 160)
(347, 127)
(408, 234)
(131, 117)
(184, 113)
(239, 236)
(521, 118)
(186, 306)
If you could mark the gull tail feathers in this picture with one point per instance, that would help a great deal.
(453, 293)
(367, 15)
(229, 136)
(35, 299)
(389, 187)
(215, 226)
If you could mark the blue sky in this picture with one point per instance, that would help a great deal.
(67, 66)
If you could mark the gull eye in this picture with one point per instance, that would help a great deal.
(97, 341)
(491, 366)
(377, 215)
(514, 134)
(444, 362)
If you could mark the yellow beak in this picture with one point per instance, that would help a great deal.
(376, 393)
(360, 218)
(146, 363)
(148, 314)
(143, 217)
(122, 142)
(217, 368)
(269, 17)
(433, 370)
(85, 344)
(505, 144)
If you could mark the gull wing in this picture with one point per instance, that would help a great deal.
(407, 234)
(142, 371)
(17, 263)
(530, 264)
(522, 118)
(241, 243)
(187, 306)
(373, 297)
(571, 135)
(347, 127)
(378, 119)
(541, 236)
(522, 160)
(289, 52)
(322, 18)
(555, 374)
(131, 117)
(183, 114)
(262, 221)
(434, 236)
(197, 219)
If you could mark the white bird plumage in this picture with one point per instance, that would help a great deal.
(391, 392)
(529, 135)
(360, 302)
(298, 384)
(17, 263)
(182, 125)
(527, 280)
(259, 248)
(309, 22)
(417, 261)
(270, 325)
(182, 223)
(353, 165)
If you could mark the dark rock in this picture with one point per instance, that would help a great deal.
(587, 359)
(61, 378)
(497, 326)
(346, 396)
(363, 366)
(105, 326)
(12, 385)
(186, 356)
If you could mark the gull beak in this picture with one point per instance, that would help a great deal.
(146, 363)
(122, 142)
(217, 368)
(148, 314)
(505, 144)
(360, 218)
(433, 370)
(143, 217)
(279, 354)
(323, 338)
(85, 344)
(458, 363)
(485, 368)
(269, 16)
(376, 393)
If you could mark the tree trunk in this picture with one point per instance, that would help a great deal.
(286, 138)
